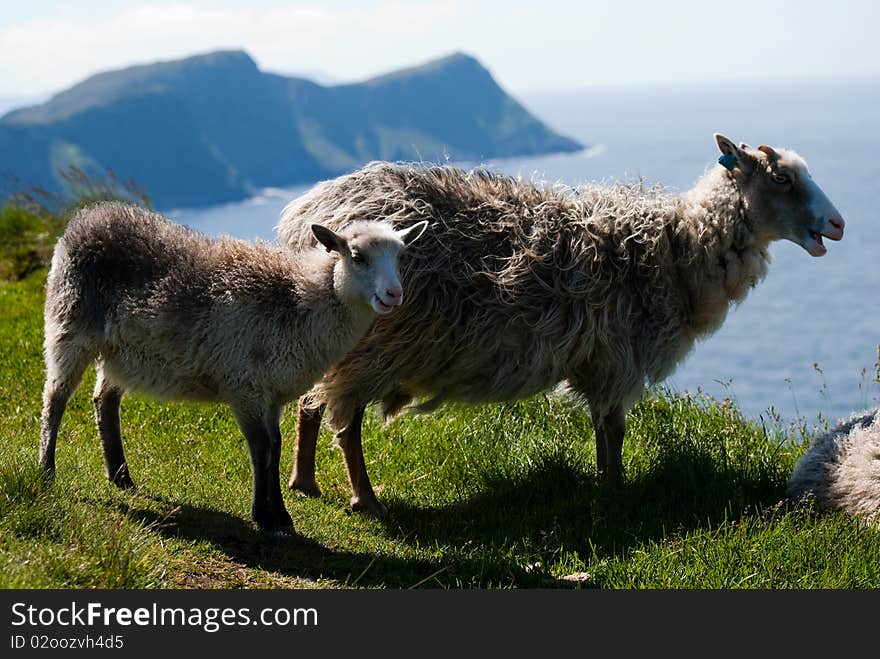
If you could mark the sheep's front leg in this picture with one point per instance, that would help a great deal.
(264, 446)
(307, 430)
(107, 399)
(610, 429)
(362, 496)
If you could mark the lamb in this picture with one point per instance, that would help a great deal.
(841, 469)
(521, 286)
(173, 313)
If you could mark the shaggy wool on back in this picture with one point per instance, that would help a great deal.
(841, 470)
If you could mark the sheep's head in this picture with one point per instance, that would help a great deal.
(367, 269)
(780, 196)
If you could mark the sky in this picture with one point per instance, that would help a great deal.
(46, 46)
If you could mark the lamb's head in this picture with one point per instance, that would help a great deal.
(366, 272)
(780, 196)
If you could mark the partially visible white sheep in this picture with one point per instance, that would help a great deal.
(176, 314)
(841, 469)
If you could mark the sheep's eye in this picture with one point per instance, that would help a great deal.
(358, 258)
(780, 179)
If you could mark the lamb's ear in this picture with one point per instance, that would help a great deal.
(412, 234)
(332, 241)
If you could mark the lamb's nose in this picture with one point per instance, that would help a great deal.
(837, 223)
(395, 294)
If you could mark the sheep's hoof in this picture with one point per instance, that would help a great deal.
(369, 506)
(310, 489)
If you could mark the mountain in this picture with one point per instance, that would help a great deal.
(213, 128)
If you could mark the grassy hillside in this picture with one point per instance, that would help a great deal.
(495, 496)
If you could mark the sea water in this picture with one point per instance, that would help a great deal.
(802, 347)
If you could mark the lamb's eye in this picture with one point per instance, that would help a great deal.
(780, 179)
(358, 258)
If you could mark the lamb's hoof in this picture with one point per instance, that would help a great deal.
(369, 506)
(276, 528)
(308, 489)
(284, 522)
(272, 520)
(270, 531)
(122, 479)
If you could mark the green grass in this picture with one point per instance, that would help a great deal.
(493, 497)
(26, 240)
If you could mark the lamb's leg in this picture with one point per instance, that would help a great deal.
(610, 429)
(283, 520)
(362, 495)
(264, 456)
(307, 430)
(65, 365)
(107, 398)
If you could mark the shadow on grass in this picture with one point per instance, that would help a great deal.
(554, 507)
(290, 555)
(557, 505)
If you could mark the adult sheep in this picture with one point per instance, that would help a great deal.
(176, 314)
(518, 287)
(841, 469)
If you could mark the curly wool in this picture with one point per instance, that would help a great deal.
(517, 286)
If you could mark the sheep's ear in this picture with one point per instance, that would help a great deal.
(412, 234)
(332, 241)
(726, 146)
(731, 154)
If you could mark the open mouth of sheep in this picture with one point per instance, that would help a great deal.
(817, 236)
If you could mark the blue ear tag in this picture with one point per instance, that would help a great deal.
(728, 161)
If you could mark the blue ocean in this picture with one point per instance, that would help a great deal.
(803, 347)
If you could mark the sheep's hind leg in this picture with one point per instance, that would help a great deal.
(601, 450)
(65, 365)
(267, 505)
(363, 498)
(107, 398)
(307, 430)
(610, 429)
